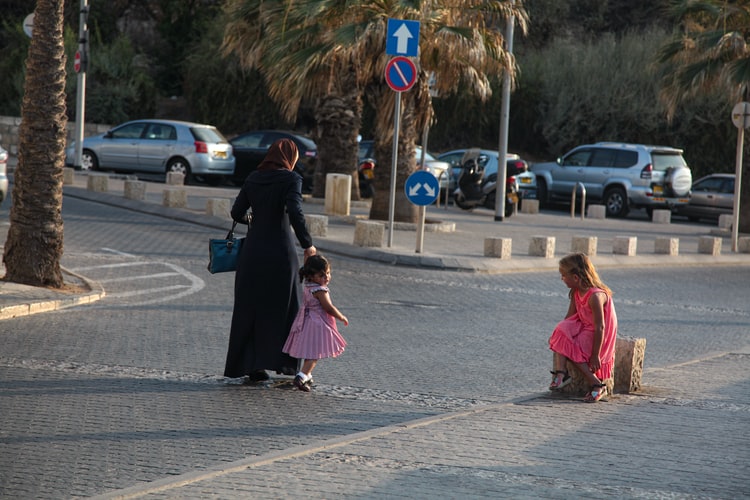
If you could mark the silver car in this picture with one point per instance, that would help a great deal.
(198, 151)
(710, 197)
(3, 174)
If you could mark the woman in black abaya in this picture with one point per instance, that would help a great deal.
(266, 293)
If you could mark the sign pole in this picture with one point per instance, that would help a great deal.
(741, 119)
(83, 55)
(394, 161)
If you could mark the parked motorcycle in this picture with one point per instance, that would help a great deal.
(474, 190)
(366, 175)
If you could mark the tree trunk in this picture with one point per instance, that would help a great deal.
(34, 245)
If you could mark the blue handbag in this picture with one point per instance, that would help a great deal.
(223, 254)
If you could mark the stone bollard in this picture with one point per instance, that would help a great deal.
(542, 246)
(317, 225)
(369, 233)
(667, 246)
(629, 354)
(498, 247)
(579, 386)
(175, 179)
(338, 194)
(661, 217)
(709, 245)
(99, 183)
(135, 190)
(743, 244)
(725, 221)
(69, 176)
(584, 244)
(625, 245)
(530, 207)
(218, 207)
(174, 198)
(596, 212)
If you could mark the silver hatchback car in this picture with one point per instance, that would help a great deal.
(198, 151)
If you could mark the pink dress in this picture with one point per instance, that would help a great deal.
(314, 334)
(574, 336)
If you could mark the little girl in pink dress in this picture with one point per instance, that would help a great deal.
(314, 335)
(587, 335)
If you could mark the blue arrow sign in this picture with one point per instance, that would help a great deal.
(422, 188)
(403, 38)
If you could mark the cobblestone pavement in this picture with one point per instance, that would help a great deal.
(74, 427)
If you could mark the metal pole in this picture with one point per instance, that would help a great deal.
(502, 167)
(737, 184)
(394, 161)
(81, 84)
(422, 208)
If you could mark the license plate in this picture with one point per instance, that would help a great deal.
(658, 190)
(513, 198)
(220, 154)
(525, 180)
(369, 174)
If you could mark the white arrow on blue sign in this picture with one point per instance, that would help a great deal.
(403, 38)
(422, 188)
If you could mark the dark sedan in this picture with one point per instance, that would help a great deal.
(710, 197)
(251, 147)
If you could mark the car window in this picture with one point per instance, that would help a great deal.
(129, 131)
(663, 161)
(578, 158)
(602, 158)
(625, 159)
(158, 131)
(248, 141)
(711, 184)
(364, 150)
(453, 158)
(308, 143)
(207, 134)
(728, 186)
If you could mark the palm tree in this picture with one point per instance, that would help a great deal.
(34, 245)
(335, 49)
(710, 50)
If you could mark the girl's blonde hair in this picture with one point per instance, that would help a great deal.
(580, 265)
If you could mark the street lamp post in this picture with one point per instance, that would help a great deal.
(82, 59)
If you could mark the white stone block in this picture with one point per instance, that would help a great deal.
(498, 247)
(99, 183)
(584, 244)
(743, 244)
(174, 198)
(625, 245)
(530, 207)
(369, 233)
(218, 207)
(725, 221)
(338, 194)
(709, 245)
(667, 246)
(69, 175)
(661, 217)
(542, 246)
(317, 225)
(175, 179)
(596, 212)
(135, 190)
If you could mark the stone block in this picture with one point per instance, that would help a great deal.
(498, 247)
(99, 183)
(69, 175)
(596, 212)
(135, 190)
(369, 233)
(175, 179)
(584, 244)
(338, 194)
(743, 244)
(218, 207)
(542, 246)
(661, 217)
(725, 221)
(629, 355)
(579, 386)
(317, 225)
(710, 245)
(174, 198)
(667, 246)
(530, 207)
(625, 245)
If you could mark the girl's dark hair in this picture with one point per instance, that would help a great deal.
(313, 265)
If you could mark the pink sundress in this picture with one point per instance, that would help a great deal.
(314, 334)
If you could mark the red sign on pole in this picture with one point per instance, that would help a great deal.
(77, 62)
(400, 74)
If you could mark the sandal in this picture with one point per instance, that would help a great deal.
(596, 393)
(559, 380)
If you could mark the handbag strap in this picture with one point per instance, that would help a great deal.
(230, 234)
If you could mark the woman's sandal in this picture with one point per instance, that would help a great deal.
(596, 393)
(560, 379)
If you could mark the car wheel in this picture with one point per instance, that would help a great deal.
(616, 202)
(541, 191)
(180, 166)
(89, 161)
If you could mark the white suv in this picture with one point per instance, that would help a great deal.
(619, 175)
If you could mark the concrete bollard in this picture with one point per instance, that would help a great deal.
(498, 247)
(596, 212)
(69, 176)
(174, 198)
(709, 245)
(218, 207)
(530, 207)
(725, 221)
(135, 190)
(175, 179)
(667, 246)
(99, 183)
(369, 233)
(317, 225)
(338, 194)
(579, 386)
(629, 354)
(661, 217)
(625, 245)
(584, 244)
(542, 246)
(743, 244)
